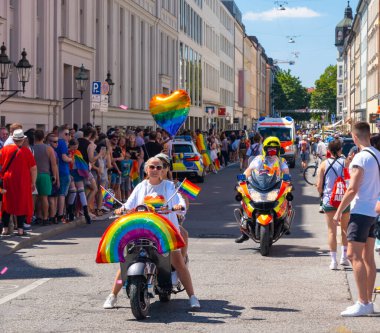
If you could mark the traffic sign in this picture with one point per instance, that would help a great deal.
(96, 87)
(105, 88)
(104, 104)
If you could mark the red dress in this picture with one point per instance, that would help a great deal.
(17, 181)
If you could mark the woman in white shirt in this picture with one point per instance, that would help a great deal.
(154, 185)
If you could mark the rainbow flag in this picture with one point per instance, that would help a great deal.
(134, 174)
(189, 189)
(217, 164)
(202, 148)
(107, 199)
(80, 164)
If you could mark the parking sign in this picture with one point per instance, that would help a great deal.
(96, 87)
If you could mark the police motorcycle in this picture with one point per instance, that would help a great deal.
(144, 256)
(266, 211)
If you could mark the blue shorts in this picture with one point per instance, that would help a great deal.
(76, 177)
(64, 184)
(115, 179)
(304, 157)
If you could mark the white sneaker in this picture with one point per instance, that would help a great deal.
(110, 302)
(344, 262)
(105, 209)
(358, 309)
(333, 265)
(194, 303)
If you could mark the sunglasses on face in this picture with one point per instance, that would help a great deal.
(67, 133)
(53, 141)
(153, 167)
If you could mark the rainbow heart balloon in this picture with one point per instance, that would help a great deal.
(170, 111)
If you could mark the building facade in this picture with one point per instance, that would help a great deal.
(148, 47)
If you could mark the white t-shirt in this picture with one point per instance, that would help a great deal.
(321, 149)
(166, 189)
(369, 189)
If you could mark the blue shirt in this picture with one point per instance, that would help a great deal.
(63, 166)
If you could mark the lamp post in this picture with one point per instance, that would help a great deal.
(110, 84)
(23, 68)
(81, 80)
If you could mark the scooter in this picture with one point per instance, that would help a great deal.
(266, 211)
(146, 273)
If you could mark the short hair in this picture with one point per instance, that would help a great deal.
(257, 137)
(73, 142)
(14, 126)
(362, 130)
(61, 129)
(89, 132)
(153, 135)
(39, 135)
(334, 147)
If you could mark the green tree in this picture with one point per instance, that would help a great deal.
(324, 95)
(288, 92)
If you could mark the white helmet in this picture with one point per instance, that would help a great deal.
(304, 136)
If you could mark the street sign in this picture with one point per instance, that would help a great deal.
(96, 87)
(104, 104)
(105, 88)
(95, 98)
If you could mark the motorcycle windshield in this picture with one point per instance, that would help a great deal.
(263, 181)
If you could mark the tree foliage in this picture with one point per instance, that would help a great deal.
(288, 92)
(324, 95)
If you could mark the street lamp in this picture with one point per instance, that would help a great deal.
(110, 84)
(81, 80)
(23, 71)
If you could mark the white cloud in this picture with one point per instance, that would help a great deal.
(274, 14)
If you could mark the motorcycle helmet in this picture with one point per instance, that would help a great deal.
(271, 146)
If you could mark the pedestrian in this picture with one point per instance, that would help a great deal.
(328, 173)
(52, 140)
(63, 169)
(12, 128)
(224, 149)
(19, 173)
(321, 150)
(47, 174)
(304, 149)
(362, 193)
(116, 159)
(3, 136)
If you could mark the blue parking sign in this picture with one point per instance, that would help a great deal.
(96, 87)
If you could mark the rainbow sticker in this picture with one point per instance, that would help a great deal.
(134, 226)
(156, 201)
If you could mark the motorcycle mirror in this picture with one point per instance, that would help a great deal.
(241, 177)
(238, 197)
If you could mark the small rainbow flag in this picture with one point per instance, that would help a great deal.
(189, 189)
(81, 165)
(134, 173)
(202, 148)
(217, 164)
(107, 199)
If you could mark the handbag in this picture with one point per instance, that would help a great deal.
(7, 167)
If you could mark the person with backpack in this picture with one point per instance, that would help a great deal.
(304, 149)
(242, 152)
(255, 148)
(331, 186)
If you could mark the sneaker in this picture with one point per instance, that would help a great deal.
(321, 211)
(110, 302)
(105, 209)
(194, 303)
(344, 262)
(27, 227)
(333, 265)
(358, 309)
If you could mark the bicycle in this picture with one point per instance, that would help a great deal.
(310, 173)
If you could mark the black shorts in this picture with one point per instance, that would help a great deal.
(360, 228)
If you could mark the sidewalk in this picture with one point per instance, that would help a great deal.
(38, 233)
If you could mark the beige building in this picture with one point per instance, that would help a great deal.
(360, 61)
(148, 47)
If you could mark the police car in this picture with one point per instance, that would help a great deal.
(187, 161)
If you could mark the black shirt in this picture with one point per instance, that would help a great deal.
(116, 153)
(151, 149)
(133, 151)
(82, 147)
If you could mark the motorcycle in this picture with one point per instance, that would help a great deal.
(266, 211)
(144, 257)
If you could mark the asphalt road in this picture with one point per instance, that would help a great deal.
(56, 286)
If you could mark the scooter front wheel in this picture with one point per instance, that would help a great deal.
(139, 298)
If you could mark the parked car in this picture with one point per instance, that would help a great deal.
(187, 161)
(347, 146)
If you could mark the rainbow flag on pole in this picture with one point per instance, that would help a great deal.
(135, 173)
(107, 199)
(189, 189)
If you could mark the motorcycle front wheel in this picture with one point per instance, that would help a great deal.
(138, 294)
(264, 240)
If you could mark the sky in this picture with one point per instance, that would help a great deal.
(311, 24)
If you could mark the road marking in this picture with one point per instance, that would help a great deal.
(24, 290)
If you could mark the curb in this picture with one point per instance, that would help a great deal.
(35, 238)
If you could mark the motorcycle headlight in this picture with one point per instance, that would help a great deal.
(264, 197)
(272, 195)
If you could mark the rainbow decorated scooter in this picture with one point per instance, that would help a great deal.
(141, 241)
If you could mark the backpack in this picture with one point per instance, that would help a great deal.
(255, 151)
(339, 189)
(303, 146)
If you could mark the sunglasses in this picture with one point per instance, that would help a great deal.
(67, 133)
(53, 141)
(153, 167)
